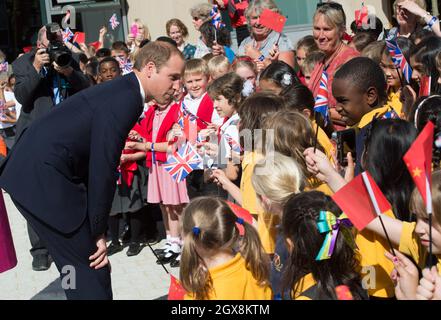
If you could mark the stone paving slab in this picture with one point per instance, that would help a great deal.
(133, 278)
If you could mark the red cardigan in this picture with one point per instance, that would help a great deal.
(205, 111)
(166, 125)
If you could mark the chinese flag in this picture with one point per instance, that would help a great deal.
(355, 201)
(425, 84)
(8, 258)
(272, 20)
(418, 160)
(79, 37)
(241, 213)
(176, 290)
(361, 16)
(95, 44)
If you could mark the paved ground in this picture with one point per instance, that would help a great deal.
(133, 278)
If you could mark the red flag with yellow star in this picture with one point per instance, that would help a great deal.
(176, 290)
(272, 20)
(418, 160)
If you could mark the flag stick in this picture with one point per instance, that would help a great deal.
(153, 251)
(429, 213)
(316, 130)
(377, 208)
(399, 76)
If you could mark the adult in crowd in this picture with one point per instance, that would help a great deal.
(329, 26)
(41, 84)
(200, 14)
(142, 33)
(236, 12)
(411, 16)
(177, 31)
(261, 44)
(67, 189)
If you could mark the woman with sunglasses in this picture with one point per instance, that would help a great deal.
(329, 26)
(201, 14)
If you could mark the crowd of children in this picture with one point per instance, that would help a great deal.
(265, 147)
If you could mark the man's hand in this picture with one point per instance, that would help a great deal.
(41, 58)
(65, 71)
(99, 258)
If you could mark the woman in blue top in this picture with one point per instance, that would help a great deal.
(177, 30)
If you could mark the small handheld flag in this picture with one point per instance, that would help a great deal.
(67, 35)
(114, 23)
(272, 20)
(125, 65)
(182, 162)
(79, 37)
(176, 290)
(425, 84)
(4, 66)
(241, 213)
(361, 16)
(322, 100)
(216, 18)
(398, 59)
(95, 44)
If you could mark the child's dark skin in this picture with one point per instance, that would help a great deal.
(352, 103)
(109, 71)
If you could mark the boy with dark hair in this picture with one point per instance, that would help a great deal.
(108, 69)
(119, 49)
(360, 90)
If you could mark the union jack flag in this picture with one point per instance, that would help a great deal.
(216, 18)
(234, 145)
(390, 115)
(322, 100)
(67, 35)
(182, 162)
(125, 65)
(114, 21)
(4, 67)
(398, 59)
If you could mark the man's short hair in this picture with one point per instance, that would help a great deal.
(157, 52)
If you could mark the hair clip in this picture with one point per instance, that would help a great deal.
(328, 223)
(196, 231)
(287, 79)
(247, 89)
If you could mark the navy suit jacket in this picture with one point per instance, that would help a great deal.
(64, 166)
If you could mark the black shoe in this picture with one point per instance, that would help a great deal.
(113, 248)
(168, 257)
(40, 262)
(175, 263)
(134, 249)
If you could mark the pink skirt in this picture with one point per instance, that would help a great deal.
(163, 189)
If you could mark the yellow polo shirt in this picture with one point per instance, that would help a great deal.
(233, 281)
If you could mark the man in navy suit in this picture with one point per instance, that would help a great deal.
(62, 172)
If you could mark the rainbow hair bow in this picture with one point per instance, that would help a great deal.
(328, 223)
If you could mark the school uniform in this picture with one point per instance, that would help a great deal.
(233, 281)
(362, 127)
(373, 262)
(197, 184)
(266, 222)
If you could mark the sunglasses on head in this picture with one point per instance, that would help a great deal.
(333, 5)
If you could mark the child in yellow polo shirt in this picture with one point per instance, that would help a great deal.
(311, 223)
(219, 261)
(359, 88)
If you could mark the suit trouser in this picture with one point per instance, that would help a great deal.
(37, 245)
(71, 253)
